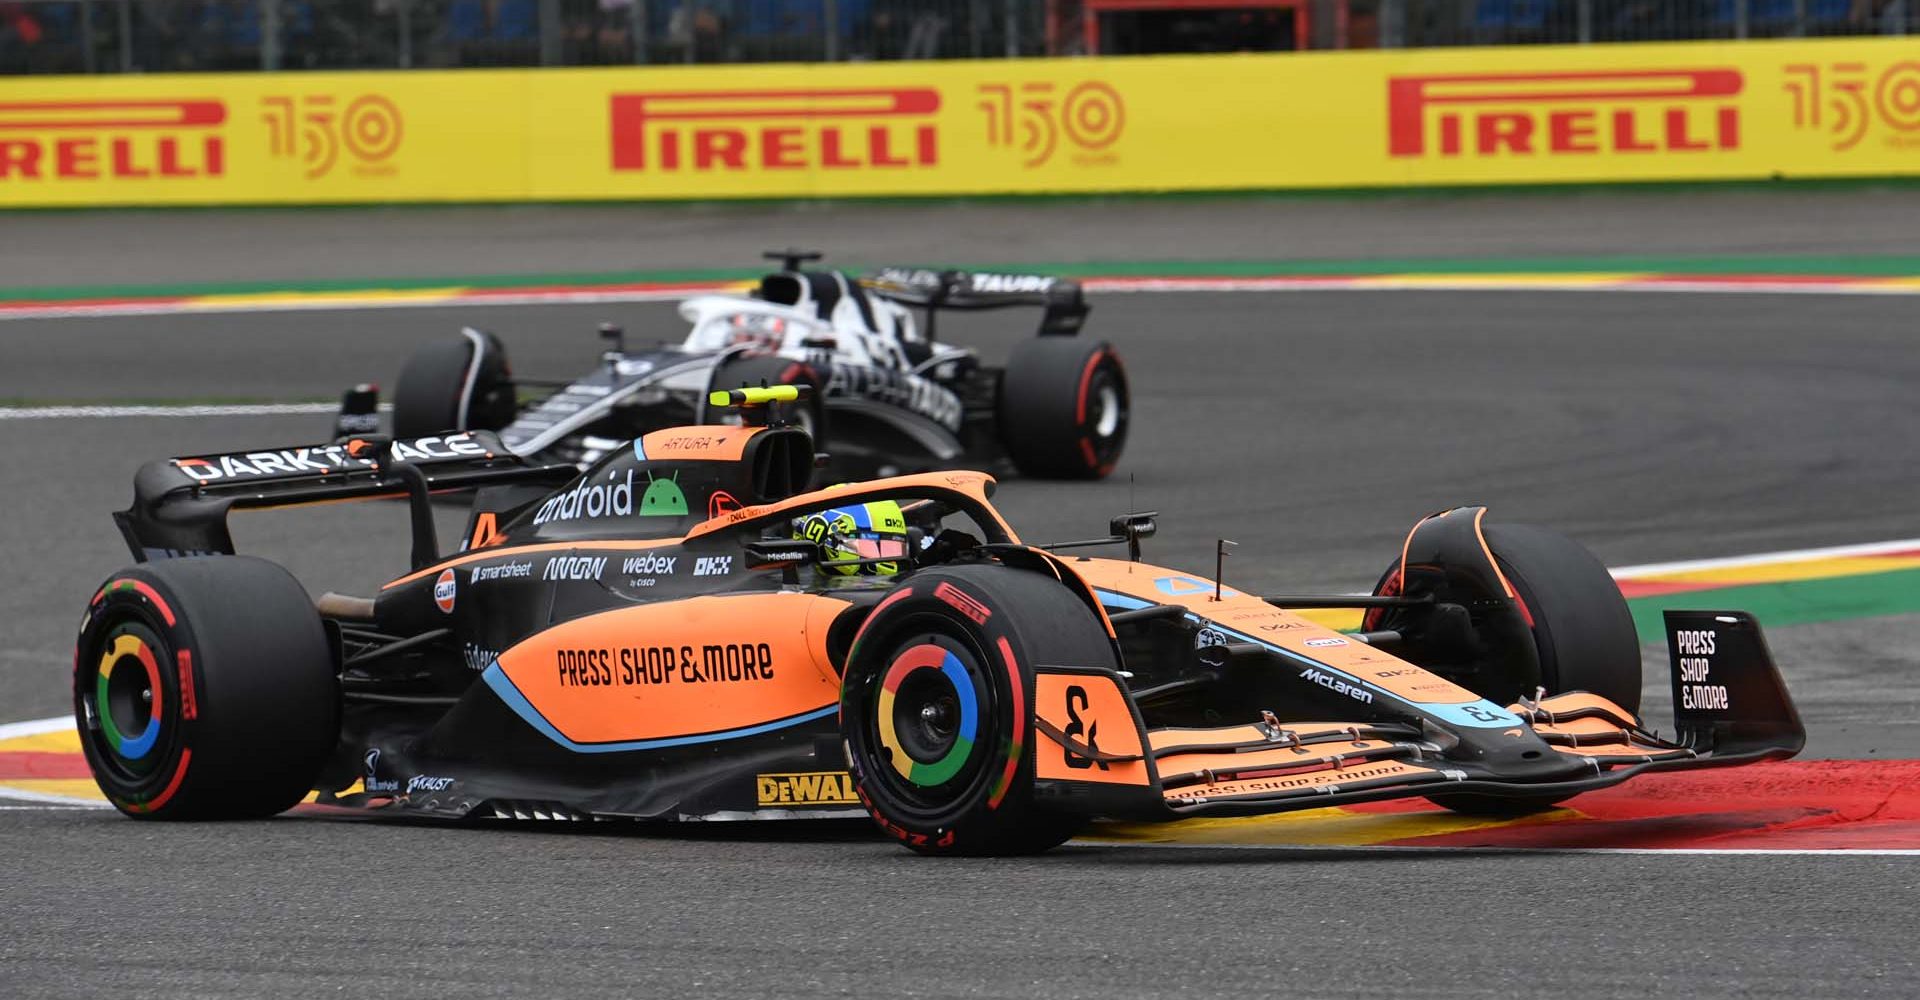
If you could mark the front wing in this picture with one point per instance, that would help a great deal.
(1096, 757)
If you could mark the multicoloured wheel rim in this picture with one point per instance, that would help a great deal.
(909, 662)
(129, 698)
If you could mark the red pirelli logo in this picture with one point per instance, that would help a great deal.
(741, 130)
(1532, 114)
(96, 140)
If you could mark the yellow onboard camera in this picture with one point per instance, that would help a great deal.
(761, 396)
(759, 406)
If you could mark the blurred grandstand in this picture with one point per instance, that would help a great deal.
(154, 36)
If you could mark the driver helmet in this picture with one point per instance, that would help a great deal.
(756, 333)
(874, 530)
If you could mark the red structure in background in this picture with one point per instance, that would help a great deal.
(1060, 14)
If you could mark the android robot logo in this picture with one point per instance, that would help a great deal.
(663, 498)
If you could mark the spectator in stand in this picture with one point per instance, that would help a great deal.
(698, 25)
(19, 26)
(489, 33)
(1647, 20)
(909, 29)
(1887, 16)
(603, 36)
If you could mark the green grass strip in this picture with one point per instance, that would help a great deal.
(1796, 602)
(1833, 265)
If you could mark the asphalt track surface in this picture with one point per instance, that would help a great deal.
(1310, 427)
(71, 248)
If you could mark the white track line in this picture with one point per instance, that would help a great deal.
(334, 303)
(42, 801)
(1894, 852)
(185, 410)
(36, 727)
(324, 302)
(1469, 283)
(1735, 562)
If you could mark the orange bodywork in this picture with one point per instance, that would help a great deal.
(706, 443)
(1174, 766)
(682, 668)
(1280, 627)
(1163, 739)
(1368, 771)
(973, 485)
(1605, 731)
(1091, 710)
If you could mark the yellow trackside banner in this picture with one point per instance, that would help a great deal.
(1721, 111)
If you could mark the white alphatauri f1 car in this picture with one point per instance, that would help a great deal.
(890, 397)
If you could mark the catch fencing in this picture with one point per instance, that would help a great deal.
(167, 36)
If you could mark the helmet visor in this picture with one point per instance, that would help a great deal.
(875, 548)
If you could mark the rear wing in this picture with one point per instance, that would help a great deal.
(1063, 302)
(180, 505)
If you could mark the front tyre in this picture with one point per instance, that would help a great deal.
(1582, 627)
(204, 688)
(1581, 630)
(1063, 408)
(937, 707)
(1576, 621)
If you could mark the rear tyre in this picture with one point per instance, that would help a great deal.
(458, 383)
(937, 707)
(204, 688)
(1063, 408)
(753, 370)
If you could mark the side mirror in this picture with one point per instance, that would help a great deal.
(359, 411)
(616, 335)
(766, 553)
(787, 554)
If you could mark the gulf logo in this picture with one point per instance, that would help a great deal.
(443, 591)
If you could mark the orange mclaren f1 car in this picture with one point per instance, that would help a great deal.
(686, 630)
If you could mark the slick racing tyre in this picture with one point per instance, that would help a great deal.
(1581, 630)
(204, 688)
(457, 383)
(1063, 408)
(753, 370)
(1581, 626)
(937, 707)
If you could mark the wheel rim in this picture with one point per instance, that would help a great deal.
(1108, 419)
(928, 714)
(128, 699)
(804, 419)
